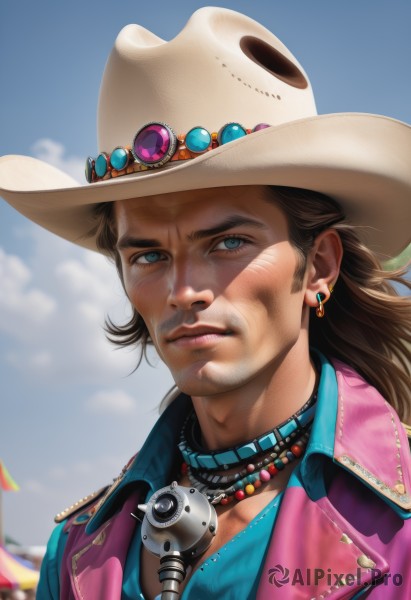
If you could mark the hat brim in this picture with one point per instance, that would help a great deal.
(362, 161)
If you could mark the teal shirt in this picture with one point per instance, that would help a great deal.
(234, 571)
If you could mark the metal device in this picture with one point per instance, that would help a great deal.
(179, 524)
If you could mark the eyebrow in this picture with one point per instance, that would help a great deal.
(128, 241)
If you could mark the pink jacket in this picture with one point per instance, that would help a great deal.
(334, 545)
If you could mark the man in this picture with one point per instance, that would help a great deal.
(246, 232)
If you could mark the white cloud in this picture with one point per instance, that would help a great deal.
(54, 153)
(57, 325)
(41, 360)
(22, 307)
(114, 402)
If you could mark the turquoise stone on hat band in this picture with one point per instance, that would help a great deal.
(198, 140)
(155, 144)
(101, 164)
(119, 158)
(231, 132)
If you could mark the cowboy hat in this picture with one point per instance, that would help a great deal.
(223, 103)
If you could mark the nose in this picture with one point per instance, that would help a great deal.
(188, 288)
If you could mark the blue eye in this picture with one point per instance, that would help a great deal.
(149, 257)
(232, 243)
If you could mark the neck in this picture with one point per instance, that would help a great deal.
(235, 416)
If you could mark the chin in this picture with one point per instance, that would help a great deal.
(208, 379)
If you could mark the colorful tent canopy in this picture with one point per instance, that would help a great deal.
(6, 584)
(7, 482)
(13, 574)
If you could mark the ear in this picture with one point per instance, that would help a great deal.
(324, 261)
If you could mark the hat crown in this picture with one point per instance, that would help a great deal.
(222, 67)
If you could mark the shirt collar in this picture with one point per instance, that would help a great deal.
(152, 465)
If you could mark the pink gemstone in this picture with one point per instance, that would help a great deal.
(261, 126)
(264, 475)
(250, 468)
(152, 143)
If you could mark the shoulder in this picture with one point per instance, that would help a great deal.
(83, 505)
(49, 584)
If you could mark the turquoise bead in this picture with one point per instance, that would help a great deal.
(88, 170)
(118, 158)
(278, 463)
(288, 428)
(267, 441)
(231, 132)
(198, 139)
(247, 450)
(101, 165)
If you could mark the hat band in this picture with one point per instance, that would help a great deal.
(156, 143)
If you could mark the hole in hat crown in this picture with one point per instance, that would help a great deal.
(272, 61)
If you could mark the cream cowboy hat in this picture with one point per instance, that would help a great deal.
(222, 69)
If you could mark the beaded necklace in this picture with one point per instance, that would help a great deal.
(259, 459)
(249, 480)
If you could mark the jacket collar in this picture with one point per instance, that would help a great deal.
(370, 440)
(359, 431)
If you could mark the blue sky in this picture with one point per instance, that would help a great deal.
(70, 414)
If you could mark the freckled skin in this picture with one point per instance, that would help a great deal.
(246, 363)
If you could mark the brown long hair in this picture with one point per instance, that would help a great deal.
(368, 322)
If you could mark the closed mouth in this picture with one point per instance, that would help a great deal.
(196, 332)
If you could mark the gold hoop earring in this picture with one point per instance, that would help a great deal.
(319, 311)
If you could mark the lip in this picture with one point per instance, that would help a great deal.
(197, 334)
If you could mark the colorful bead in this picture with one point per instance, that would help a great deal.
(296, 450)
(265, 475)
(101, 164)
(249, 489)
(226, 500)
(272, 470)
(279, 465)
(250, 468)
(119, 158)
(154, 144)
(88, 169)
(261, 126)
(239, 495)
(183, 154)
(198, 140)
(231, 132)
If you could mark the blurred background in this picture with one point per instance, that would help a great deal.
(71, 413)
